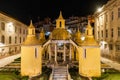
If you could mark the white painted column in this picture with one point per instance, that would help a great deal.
(70, 54)
(49, 47)
(64, 53)
(55, 52)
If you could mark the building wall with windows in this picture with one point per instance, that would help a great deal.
(107, 29)
(12, 34)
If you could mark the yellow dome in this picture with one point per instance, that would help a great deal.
(90, 41)
(31, 40)
(60, 34)
(77, 37)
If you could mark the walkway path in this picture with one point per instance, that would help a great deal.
(60, 73)
(111, 63)
(8, 60)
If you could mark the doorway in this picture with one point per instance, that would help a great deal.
(59, 57)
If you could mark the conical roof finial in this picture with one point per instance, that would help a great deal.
(31, 24)
(89, 25)
(60, 16)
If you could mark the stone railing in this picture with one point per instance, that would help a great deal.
(68, 74)
(51, 75)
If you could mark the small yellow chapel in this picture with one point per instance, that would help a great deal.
(60, 48)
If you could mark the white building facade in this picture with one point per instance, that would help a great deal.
(107, 29)
(12, 34)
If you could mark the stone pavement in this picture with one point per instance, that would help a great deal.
(8, 60)
(111, 63)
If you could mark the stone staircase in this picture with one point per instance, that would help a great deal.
(60, 73)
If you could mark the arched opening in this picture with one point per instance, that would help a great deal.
(60, 24)
(10, 40)
(2, 25)
(3, 39)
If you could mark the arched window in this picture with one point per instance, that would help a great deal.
(60, 24)
(15, 39)
(10, 40)
(3, 39)
(23, 39)
(2, 25)
(20, 39)
(118, 31)
(15, 49)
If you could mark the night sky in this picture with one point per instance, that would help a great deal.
(24, 10)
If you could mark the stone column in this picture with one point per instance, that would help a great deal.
(49, 47)
(64, 53)
(55, 53)
(70, 53)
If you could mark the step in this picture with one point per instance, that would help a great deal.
(60, 74)
(59, 79)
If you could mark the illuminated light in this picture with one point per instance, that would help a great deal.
(99, 9)
(60, 44)
(69, 31)
(10, 27)
(10, 23)
(47, 33)
(1, 44)
(82, 38)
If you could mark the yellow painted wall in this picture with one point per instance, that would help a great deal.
(31, 65)
(89, 66)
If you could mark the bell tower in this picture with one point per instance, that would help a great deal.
(31, 54)
(31, 29)
(89, 56)
(60, 22)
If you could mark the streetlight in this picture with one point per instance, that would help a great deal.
(99, 9)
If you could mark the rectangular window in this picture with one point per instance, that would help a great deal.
(112, 32)
(102, 33)
(36, 52)
(118, 31)
(118, 12)
(84, 54)
(110, 47)
(106, 17)
(112, 15)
